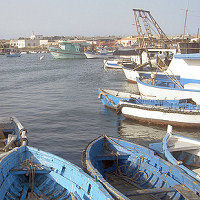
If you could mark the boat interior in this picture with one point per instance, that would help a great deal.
(186, 152)
(8, 136)
(133, 175)
(27, 174)
(187, 104)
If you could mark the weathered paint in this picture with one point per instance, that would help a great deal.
(153, 171)
(60, 180)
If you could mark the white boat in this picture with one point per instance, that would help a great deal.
(117, 63)
(132, 72)
(97, 55)
(180, 151)
(112, 64)
(182, 80)
(182, 112)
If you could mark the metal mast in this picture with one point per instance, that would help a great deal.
(145, 25)
(185, 23)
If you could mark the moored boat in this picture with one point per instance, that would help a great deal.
(112, 64)
(98, 54)
(68, 50)
(181, 80)
(13, 54)
(183, 112)
(136, 171)
(180, 151)
(12, 135)
(29, 173)
(111, 98)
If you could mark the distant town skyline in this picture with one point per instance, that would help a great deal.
(92, 17)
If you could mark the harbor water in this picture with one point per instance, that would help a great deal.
(57, 102)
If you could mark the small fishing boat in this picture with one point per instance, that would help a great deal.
(112, 63)
(183, 112)
(111, 98)
(131, 171)
(116, 63)
(13, 54)
(180, 151)
(68, 50)
(181, 80)
(29, 173)
(101, 54)
(161, 57)
(12, 134)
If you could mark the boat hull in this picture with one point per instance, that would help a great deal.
(97, 56)
(160, 116)
(148, 90)
(64, 54)
(111, 98)
(112, 64)
(131, 75)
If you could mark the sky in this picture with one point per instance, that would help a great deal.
(18, 18)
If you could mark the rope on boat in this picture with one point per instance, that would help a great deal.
(119, 167)
(173, 79)
(31, 167)
(109, 100)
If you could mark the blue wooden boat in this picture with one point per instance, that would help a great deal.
(29, 173)
(13, 54)
(111, 98)
(12, 134)
(135, 171)
(180, 151)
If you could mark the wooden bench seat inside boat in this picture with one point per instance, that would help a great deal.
(37, 170)
(183, 146)
(186, 193)
(109, 156)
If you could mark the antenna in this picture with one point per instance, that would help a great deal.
(186, 14)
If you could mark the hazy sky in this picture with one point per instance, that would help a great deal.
(18, 18)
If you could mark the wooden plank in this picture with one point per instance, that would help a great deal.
(124, 187)
(186, 193)
(111, 157)
(25, 191)
(149, 191)
(40, 170)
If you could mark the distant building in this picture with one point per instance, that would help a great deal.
(127, 41)
(33, 41)
(36, 37)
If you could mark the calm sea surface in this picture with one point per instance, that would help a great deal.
(57, 101)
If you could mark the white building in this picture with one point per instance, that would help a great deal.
(28, 43)
(33, 41)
